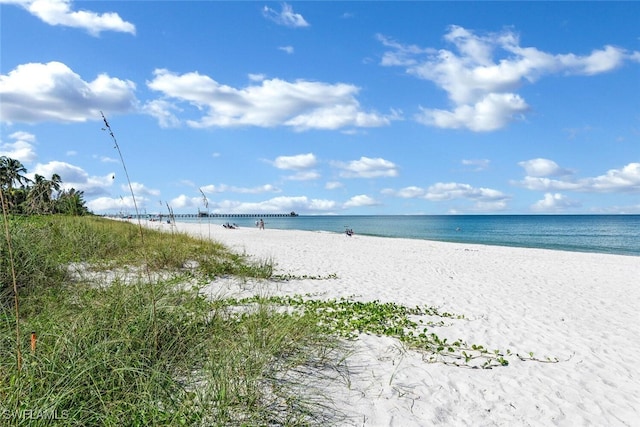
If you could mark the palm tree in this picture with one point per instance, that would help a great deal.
(11, 171)
(71, 202)
(40, 196)
(11, 174)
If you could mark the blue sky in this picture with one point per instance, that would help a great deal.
(327, 107)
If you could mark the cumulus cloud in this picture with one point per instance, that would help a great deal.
(301, 104)
(302, 163)
(482, 72)
(554, 202)
(543, 167)
(59, 12)
(37, 92)
(367, 168)
(106, 159)
(492, 112)
(140, 190)
(548, 184)
(75, 177)
(182, 201)
(401, 55)
(286, 16)
(164, 112)
(454, 190)
(484, 199)
(332, 185)
(309, 175)
(287, 49)
(297, 162)
(624, 180)
(410, 192)
(22, 148)
(477, 164)
(283, 204)
(360, 200)
(106, 204)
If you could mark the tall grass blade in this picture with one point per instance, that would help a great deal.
(140, 228)
(16, 299)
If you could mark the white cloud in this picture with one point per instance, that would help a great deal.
(106, 204)
(482, 74)
(302, 163)
(336, 117)
(599, 61)
(543, 167)
(477, 164)
(625, 180)
(453, 190)
(490, 113)
(332, 185)
(410, 192)
(360, 200)
(367, 168)
(285, 17)
(183, 201)
(305, 176)
(22, 148)
(140, 190)
(547, 184)
(59, 12)
(301, 104)
(75, 177)
(283, 204)
(297, 162)
(38, 92)
(484, 199)
(554, 202)
(106, 159)
(257, 77)
(320, 205)
(287, 49)
(401, 55)
(163, 111)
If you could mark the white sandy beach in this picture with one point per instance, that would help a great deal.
(580, 308)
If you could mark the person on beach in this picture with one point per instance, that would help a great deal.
(261, 224)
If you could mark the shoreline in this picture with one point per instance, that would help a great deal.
(578, 307)
(547, 232)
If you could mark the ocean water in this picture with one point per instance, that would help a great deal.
(615, 234)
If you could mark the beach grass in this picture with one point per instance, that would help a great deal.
(106, 353)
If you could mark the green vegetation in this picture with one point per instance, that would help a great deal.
(347, 319)
(21, 195)
(97, 361)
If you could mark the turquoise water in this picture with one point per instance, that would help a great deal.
(616, 234)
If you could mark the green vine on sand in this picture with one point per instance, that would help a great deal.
(410, 325)
(288, 277)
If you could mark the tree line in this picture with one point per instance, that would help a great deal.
(40, 196)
